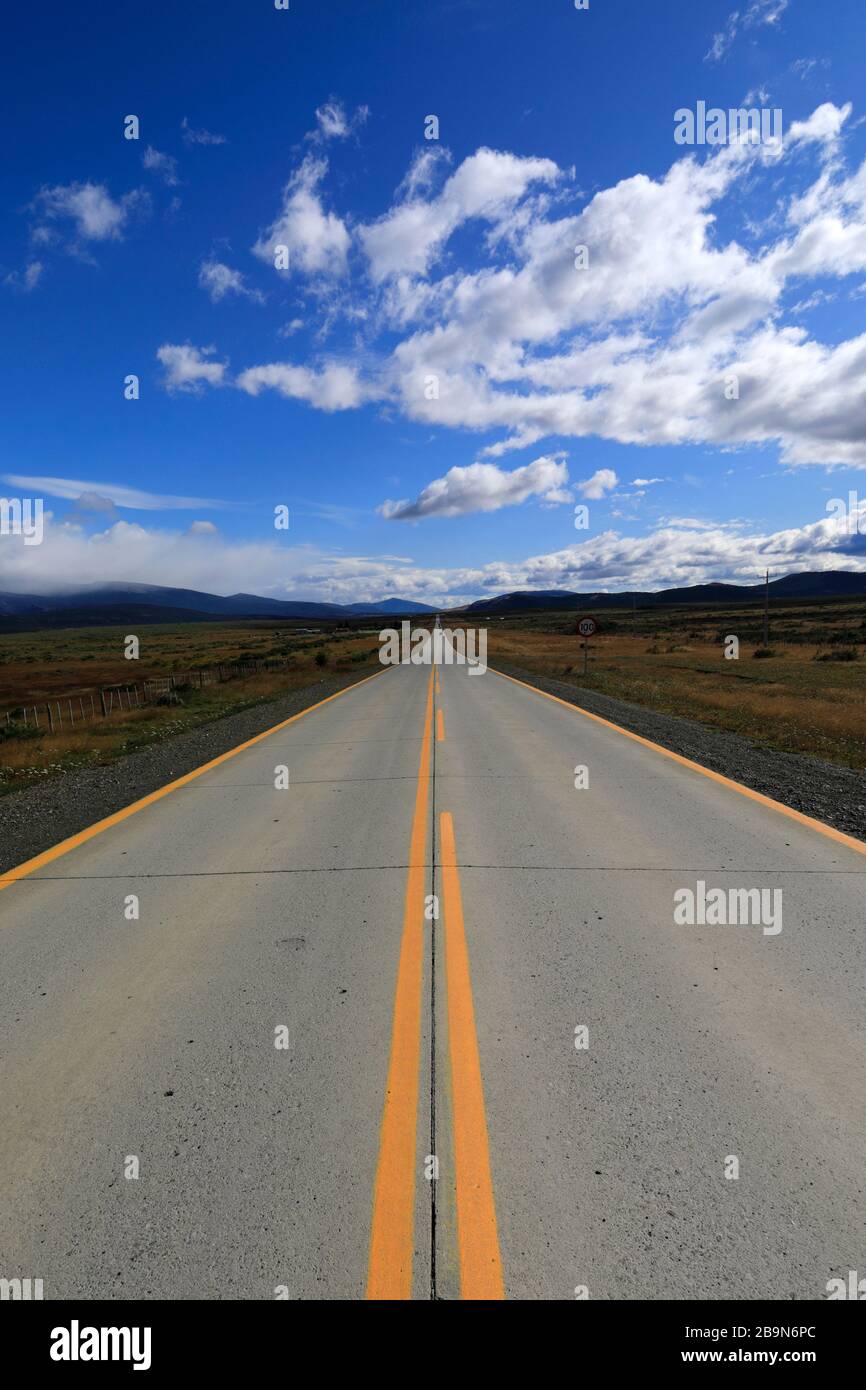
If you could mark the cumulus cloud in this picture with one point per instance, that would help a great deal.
(96, 216)
(317, 241)
(483, 487)
(679, 553)
(823, 125)
(189, 368)
(487, 185)
(335, 386)
(602, 481)
(641, 346)
(220, 280)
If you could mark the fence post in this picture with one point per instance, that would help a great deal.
(50, 719)
(102, 702)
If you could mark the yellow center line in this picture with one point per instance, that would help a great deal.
(477, 1239)
(49, 855)
(440, 726)
(859, 846)
(392, 1232)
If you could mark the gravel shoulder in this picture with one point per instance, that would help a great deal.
(830, 793)
(37, 817)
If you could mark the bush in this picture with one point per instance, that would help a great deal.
(321, 658)
(763, 652)
(18, 730)
(844, 654)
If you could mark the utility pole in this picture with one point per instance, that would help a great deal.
(767, 611)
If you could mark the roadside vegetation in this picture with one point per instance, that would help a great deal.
(804, 691)
(36, 666)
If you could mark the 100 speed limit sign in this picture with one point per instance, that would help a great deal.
(586, 627)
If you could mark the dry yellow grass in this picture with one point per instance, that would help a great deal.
(789, 701)
(35, 667)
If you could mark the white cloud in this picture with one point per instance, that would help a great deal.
(199, 137)
(636, 348)
(164, 165)
(332, 123)
(823, 125)
(26, 279)
(759, 12)
(116, 493)
(602, 481)
(334, 386)
(487, 185)
(96, 215)
(220, 280)
(317, 241)
(188, 368)
(680, 553)
(483, 487)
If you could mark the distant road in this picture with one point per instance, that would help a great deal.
(343, 1042)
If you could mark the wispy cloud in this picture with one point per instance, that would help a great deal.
(26, 279)
(163, 165)
(220, 280)
(192, 136)
(119, 494)
(759, 12)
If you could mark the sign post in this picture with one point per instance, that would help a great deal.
(586, 627)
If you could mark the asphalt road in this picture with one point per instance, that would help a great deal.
(338, 1042)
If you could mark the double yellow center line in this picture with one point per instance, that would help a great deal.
(392, 1233)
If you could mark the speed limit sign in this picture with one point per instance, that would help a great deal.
(586, 627)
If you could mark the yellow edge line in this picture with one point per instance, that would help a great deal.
(392, 1230)
(477, 1238)
(49, 855)
(828, 830)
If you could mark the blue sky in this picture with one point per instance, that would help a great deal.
(432, 385)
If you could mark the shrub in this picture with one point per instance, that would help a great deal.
(763, 652)
(321, 658)
(844, 654)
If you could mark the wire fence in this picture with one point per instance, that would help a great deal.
(68, 711)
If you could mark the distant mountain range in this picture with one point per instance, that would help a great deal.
(828, 584)
(156, 603)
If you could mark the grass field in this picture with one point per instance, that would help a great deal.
(807, 694)
(35, 666)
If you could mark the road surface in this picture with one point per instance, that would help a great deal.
(423, 1023)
